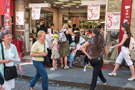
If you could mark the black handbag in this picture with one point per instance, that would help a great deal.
(9, 72)
(46, 58)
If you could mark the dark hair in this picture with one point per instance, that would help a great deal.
(41, 20)
(3, 26)
(99, 26)
(90, 26)
(52, 25)
(127, 28)
(0, 27)
(77, 37)
(69, 26)
(98, 39)
(74, 25)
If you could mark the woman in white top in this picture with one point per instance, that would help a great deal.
(10, 55)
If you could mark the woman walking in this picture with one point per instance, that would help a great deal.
(64, 47)
(8, 57)
(38, 51)
(98, 48)
(124, 52)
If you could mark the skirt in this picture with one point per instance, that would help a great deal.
(64, 49)
(55, 54)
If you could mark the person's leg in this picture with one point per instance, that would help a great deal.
(61, 60)
(43, 74)
(55, 63)
(132, 71)
(49, 55)
(118, 61)
(36, 77)
(101, 76)
(65, 60)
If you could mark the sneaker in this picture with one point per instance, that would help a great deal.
(131, 79)
(66, 67)
(62, 67)
(52, 69)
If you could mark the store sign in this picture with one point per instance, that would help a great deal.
(125, 16)
(36, 13)
(113, 20)
(7, 14)
(93, 12)
(19, 18)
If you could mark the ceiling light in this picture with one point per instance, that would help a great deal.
(76, 1)
(66, 5)
(54, 4)
(62, 7)
(77, 6)
(63, 0)
(58, 2)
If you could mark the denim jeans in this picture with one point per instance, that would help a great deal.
(96, 64)
(40, 72)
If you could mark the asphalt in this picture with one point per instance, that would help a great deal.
(77, 77)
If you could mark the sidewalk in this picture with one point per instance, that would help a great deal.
(76, 76)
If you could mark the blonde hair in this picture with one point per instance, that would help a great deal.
(40, 32)
(65, 26)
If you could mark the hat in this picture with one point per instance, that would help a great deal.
(55, 35)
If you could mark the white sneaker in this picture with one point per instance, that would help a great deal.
(52, 69)
(66, 67)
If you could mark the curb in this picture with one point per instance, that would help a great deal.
(99, 86)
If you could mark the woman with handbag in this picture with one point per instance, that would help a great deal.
(8, 57)
(95, 56)
(38, 52)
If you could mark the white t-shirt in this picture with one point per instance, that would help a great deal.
(48, 40)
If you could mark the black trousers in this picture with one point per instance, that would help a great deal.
(96, 63)
(49, 55)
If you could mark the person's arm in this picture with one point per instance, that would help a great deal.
(122, 42)
(69, 32)
(5, 61)
(83, 50)
(33, 54)
(52, 45)
(105, 50)
(20, 68)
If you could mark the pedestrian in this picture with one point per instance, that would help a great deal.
(51, 29)
(98, 48)
(48, 41)
(8, 57)
(55, 54)
(40, 26)
(38, 51)
(64, 47)
(124, 52)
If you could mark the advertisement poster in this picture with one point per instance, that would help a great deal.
(36, 13)
(19, 18)
(7, 14)
(113, 20)
(93, 12)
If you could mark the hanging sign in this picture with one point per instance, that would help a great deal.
(36, 12)
(7, 14)
(113, 20)
(93, 12)
(19, 18)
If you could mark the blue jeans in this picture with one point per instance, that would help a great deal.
(40, 72)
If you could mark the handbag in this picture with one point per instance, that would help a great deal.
(9, 72)
(46, 58)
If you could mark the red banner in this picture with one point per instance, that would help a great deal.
(7, 14)
(125, 16)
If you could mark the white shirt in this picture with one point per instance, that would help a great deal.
(48, 40)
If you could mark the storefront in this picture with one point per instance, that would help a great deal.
(22, 24)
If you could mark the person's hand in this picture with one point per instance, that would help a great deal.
(111, 47)
(7, 61)
(20, 70)
(89, 57)
(44, 53)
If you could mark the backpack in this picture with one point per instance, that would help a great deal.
(62, 37)
(132, 44)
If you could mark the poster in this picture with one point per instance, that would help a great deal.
(36, 13)
(93, 12)
(7, 14)
(113, 20)
(19, 18)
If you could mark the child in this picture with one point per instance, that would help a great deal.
(55, 54)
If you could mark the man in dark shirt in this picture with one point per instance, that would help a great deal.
(40, 26)
(75, 28)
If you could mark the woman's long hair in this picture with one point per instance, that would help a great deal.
(77, 37)
(127, 28)
(98, 40)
